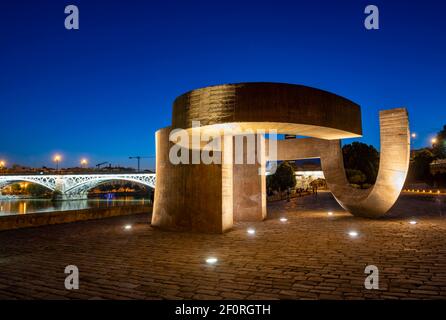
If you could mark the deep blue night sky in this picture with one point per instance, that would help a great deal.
(102, 91)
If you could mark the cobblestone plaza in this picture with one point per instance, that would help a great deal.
(310, 256)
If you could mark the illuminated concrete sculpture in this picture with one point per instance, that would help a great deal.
(210, 197)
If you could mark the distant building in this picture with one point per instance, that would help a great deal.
(438, 166)
(414, 152)
(305, 178)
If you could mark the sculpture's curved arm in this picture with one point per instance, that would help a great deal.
(394, 163)
(393, 167)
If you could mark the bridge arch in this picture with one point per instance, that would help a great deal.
(85, 186)
(77, 186)
(47, 182)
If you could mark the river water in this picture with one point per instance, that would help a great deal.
(25, 206)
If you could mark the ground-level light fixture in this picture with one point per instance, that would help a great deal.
(251, 231)
(330, 213)
(283, 219)
(211, 260)
(353, 234)
(412, 222)
(128, 227)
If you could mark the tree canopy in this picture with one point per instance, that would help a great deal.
(419, 167)
(361, 158)
(283, 178)
(439, 147)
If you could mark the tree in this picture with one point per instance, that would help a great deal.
(36, 189)
(283, 178)
(439, 147)
(362, 157)
(420, 166)
(16, 188)
(355, 176)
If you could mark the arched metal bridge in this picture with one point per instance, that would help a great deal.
(76, 186)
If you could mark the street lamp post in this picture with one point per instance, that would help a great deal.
(57, 159)
(2, 164)
(413, 136)
(84, 163)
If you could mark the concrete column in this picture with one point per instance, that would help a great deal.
(249, 178)
(191, 197)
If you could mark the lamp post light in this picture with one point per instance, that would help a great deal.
(434, 141)
(57, 159)
(413, 136)
(2, 164)
(84, 163)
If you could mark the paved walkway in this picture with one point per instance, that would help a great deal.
(309, 256)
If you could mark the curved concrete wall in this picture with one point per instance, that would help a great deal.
(191, 197)
(288, 108)
(394, 163)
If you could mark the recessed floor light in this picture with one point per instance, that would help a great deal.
(353, 234)
(283, 219)
(128, 227)
(412, 222)
(330, 213)
(211, 260)
(251, 231)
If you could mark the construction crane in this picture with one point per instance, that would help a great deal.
(139, 160)
(98, 166)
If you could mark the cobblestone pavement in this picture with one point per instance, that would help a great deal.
(309, 256)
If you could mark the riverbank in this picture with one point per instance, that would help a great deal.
(10, 222)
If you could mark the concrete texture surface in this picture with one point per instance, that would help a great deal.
(191, 197)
